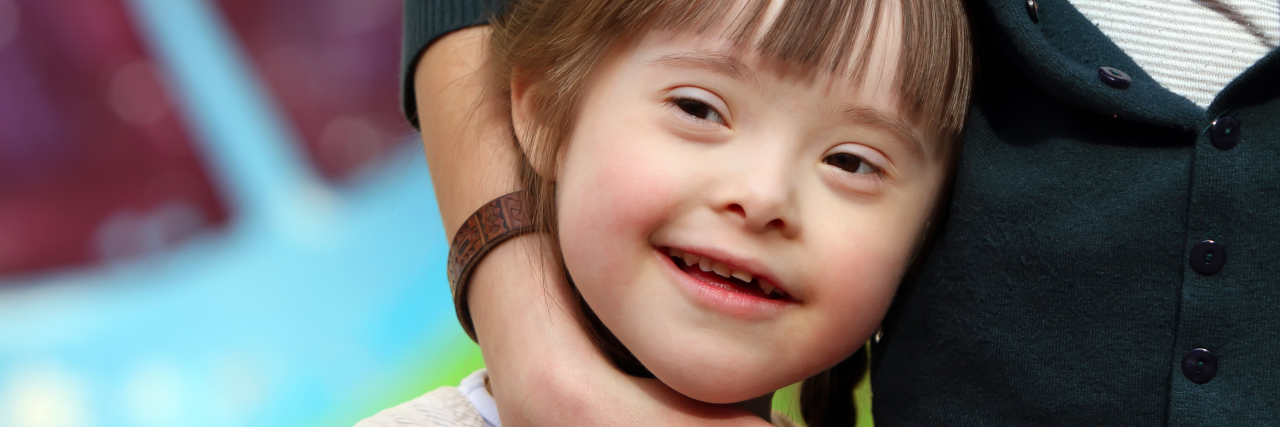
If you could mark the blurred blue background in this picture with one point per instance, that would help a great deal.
(213, 214)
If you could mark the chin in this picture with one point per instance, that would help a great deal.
(721, 391)
(719, 374)
(719, 385)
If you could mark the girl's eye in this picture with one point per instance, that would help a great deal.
(698, 109)
(850, 163)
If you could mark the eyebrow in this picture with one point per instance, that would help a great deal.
(889, 123)
(715, 62)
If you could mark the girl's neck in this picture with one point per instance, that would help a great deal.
(761, 406)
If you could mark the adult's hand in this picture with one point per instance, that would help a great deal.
(543, 369)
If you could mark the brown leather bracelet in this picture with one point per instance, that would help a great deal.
(502, 218)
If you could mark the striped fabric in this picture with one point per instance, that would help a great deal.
(1192, 47)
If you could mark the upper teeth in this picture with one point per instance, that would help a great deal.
(708, 264)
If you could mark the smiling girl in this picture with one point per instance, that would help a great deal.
(735, 188)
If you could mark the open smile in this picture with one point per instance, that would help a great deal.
(725, 286)
(721, 275)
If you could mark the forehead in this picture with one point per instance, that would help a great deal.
(844, 38)
(917, 48)
(710, 52)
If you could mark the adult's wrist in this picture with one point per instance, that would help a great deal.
(527, 332)
(501, 219)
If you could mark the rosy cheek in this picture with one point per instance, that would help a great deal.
(613, 193)
(860, 276)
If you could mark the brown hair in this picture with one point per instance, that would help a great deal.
(552, 47)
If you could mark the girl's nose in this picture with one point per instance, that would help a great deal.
(758, 221)
(762, 198)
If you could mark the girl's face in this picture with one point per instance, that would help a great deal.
(699, 177)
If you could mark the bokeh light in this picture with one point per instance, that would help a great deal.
(213, 214)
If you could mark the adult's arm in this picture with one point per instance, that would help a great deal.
(544, 371)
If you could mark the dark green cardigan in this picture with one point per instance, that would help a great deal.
(1060, 289)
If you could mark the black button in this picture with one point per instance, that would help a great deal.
(1114, 78)
(1208, 257)
(1200, 365)
(1033, 9)
(1225, 133)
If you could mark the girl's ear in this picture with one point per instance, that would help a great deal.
(528, 132)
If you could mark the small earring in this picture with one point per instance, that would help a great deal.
(879, 334)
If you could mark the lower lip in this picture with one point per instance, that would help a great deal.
(717, 298)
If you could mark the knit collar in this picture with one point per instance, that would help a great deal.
(1060, 51)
